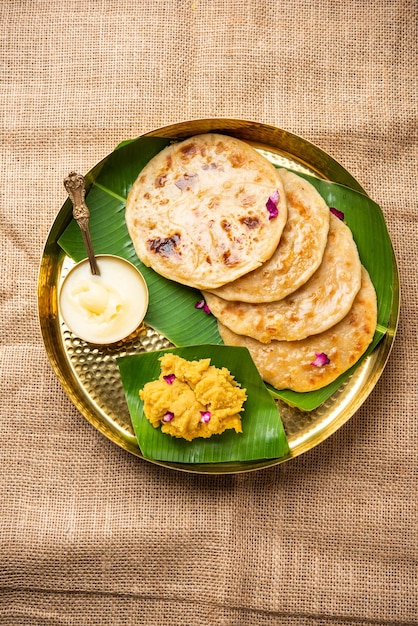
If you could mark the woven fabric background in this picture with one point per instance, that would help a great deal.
(92, 535)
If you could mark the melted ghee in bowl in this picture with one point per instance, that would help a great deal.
(107, 308)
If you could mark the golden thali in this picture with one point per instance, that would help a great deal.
(89, 373)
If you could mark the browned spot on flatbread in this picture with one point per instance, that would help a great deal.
(248, 201)
(189, 149)
(185, 182)
(236, 159)
(214, 202)
(298, 205)
(229, 258)
(160, 181)
(250, 222)
(164, 246)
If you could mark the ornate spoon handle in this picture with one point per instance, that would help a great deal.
(76, 189)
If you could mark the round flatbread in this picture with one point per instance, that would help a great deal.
(289, 364)
(206, 210)
(299, 252)
(316, 306)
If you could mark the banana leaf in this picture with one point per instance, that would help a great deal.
(263, 436)
(172, 306)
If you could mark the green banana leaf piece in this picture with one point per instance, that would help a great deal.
(172, 306)
(263, 436)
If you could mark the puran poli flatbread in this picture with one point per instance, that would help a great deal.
(298, 254)
(197, 213)
(288, 364)
(316, 306)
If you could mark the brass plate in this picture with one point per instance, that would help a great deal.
(89, 374)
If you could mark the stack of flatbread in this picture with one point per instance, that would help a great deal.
(278, 270)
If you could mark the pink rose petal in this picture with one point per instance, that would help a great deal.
(321, 359)
(169, 379)
(271, 205)
(202, 305)
(337, 213)
(205, 416)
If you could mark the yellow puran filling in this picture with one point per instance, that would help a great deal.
(193, 399)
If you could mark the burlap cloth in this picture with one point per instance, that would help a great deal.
(89, 533)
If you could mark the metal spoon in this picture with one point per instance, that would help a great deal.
(76, 189)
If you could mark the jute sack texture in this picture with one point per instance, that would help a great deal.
(93, 535)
